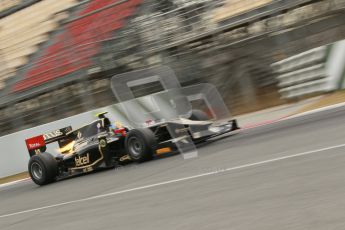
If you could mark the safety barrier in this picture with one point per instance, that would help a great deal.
(302, 74)
(315, 71)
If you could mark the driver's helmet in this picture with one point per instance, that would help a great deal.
(106, 124)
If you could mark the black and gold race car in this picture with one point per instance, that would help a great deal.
(164, 121)
(104, 145)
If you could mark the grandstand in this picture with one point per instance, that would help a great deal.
(57, 56)
(8, 4)
(22, 32)
(235, 7)
(74, 47)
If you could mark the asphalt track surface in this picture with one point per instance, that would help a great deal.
(288, 175)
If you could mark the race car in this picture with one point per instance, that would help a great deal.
(103, 144)
(159, 122)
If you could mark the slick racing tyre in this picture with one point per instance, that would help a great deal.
(43, 168)
(198, 115)
(141, 144)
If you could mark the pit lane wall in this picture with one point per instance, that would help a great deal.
(14, 155)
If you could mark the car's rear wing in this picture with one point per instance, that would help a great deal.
(38, 144)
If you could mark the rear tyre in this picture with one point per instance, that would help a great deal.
(141, 144)
(198, 115)
(43, 168)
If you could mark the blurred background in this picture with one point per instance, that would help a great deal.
(57, 57)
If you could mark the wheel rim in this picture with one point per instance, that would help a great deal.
(135, 146)
(36, 171)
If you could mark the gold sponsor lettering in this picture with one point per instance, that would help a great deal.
(37, 151)
(53, 134)
(87, 169)
(125, 158)
(80, 161)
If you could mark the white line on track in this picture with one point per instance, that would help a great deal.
(329, 107)
(252, 126)
(176, 180)
(14, 182)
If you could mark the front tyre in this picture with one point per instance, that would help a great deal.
(141, 144)
(43, 168)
